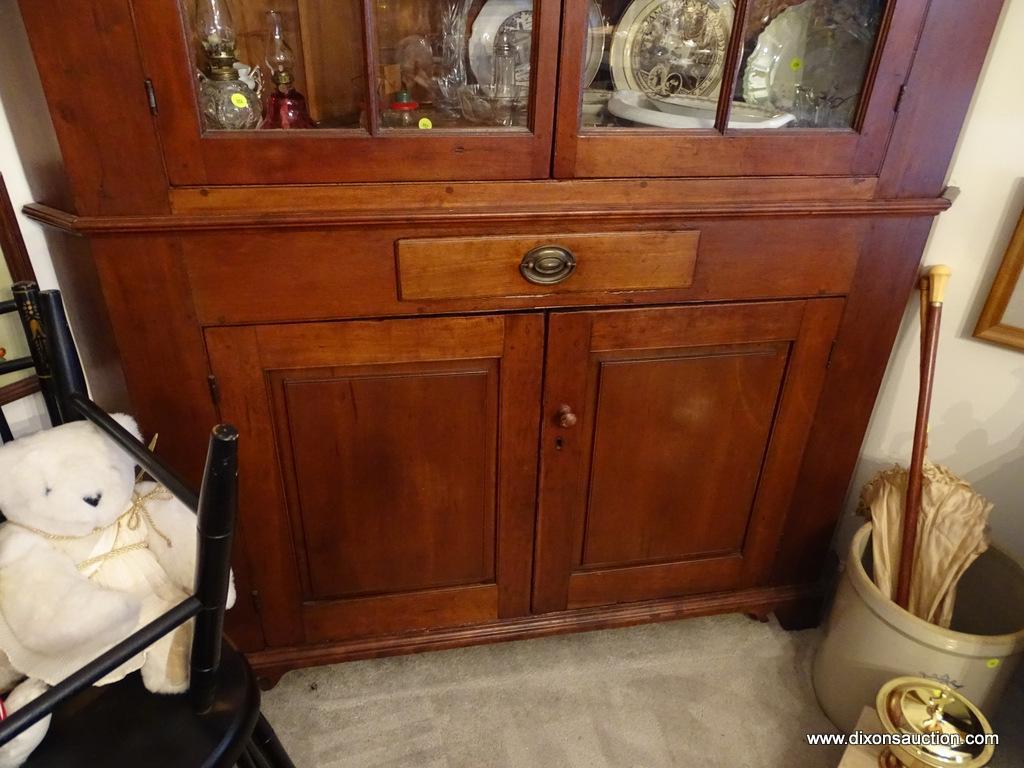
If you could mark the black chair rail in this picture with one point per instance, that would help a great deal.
(215, 515)
(246, 739)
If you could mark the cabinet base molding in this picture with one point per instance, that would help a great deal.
(271, 664)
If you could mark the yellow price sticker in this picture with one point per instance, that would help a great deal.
(796, 64)
(239, 100)
(992, 663)
(425, 123)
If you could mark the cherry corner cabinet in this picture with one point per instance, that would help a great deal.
(534, 316)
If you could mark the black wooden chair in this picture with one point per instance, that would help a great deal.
(26, 303)
(218, 722)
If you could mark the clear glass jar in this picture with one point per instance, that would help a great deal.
(404, 112)
(504, 63)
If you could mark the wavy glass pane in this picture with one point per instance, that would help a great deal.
(454, 64)
(661, 63)
(274, 64)
(648, 63)
(807, 59)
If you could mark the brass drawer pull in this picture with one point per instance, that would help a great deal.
(547, 264)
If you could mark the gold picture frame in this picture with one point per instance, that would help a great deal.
(1002, 319)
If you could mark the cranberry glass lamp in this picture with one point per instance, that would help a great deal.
(286, 107)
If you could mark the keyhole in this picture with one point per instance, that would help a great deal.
(558, 443)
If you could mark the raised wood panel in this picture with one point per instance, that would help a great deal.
(391, 469)
(347, 273)
(678, 445)
(484, 267)
(396, 492)
(677, 475)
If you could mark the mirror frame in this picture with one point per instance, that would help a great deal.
(991, 325)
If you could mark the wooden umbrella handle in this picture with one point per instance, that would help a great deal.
(938, 277)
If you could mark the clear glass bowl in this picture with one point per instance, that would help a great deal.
(479, 105)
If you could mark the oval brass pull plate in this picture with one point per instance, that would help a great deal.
(547, 264)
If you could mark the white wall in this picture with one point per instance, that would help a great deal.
(977, 424)
(26, 415)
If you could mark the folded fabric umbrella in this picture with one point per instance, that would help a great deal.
(928, 524)
(952, 533)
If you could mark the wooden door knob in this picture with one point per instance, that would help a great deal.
(566, 418)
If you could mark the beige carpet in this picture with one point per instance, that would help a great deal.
(722, 691)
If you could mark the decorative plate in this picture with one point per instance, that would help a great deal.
(667, 47)
(596, 39)
(497, 16)
(820, 47)
(690, 113)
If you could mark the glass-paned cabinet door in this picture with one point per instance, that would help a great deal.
(731, 87)
(297, 91)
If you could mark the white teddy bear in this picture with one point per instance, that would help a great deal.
(87, 557)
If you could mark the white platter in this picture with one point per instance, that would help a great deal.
(775, 66)
(635, 106)
(594, 101)
(495, 15)
(665, 47)
(802, 49)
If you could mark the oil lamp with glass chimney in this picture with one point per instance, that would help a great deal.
(226, 103)
(286, 107)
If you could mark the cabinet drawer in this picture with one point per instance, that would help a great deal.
(489, 267)
(391, 270)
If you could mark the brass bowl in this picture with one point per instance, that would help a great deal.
(917, 710)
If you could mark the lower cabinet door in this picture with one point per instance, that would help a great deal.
(387, 470)
(671, 441)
